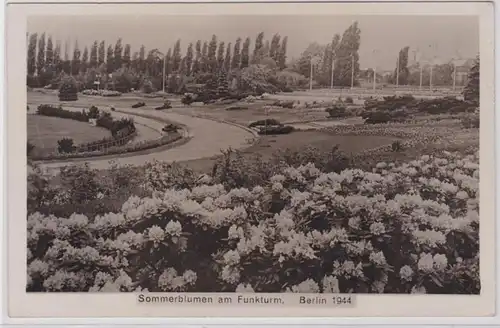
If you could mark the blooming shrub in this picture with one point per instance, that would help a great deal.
(411, 228)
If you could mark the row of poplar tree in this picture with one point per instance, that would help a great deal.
(44, 57)
(46, 60)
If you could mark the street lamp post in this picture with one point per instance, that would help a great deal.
(311, 76)
(454, 75)
(421, 73)
(331, 79)
(397, 73)
(164, 69)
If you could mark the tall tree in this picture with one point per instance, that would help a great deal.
(282, 53)
(245, 53)
(31, 62)
(176, 56)
(40, 63)
(126, 55)
(93, 55)
(227, 59)
(110, 60)
(471, 90)
(266, 49)
(211, 56)
(49, 53)
(220, 56)
(118, 53)
(204, 62)
(102, 53)
(85, 60)
(57, 57)
(235, 64)
(197, 61)
(188, 60)
(168, 59)
(275, 47)
(328, 58)
(142, 59)
(258, 51)
(347, 59)
(75, 63)
(401, 77)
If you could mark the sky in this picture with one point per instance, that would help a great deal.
(382, 36)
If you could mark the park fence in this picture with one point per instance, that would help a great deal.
(105, 145)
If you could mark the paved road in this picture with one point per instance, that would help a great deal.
(208, 138)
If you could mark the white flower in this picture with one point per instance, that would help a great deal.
(307, 286)
(418, 290)
(330, 285)
(244, 288)
(377, 228)
(232, 258)
(406, 273)
(426, 263)
(173, 228)
(378, 258)
(156, 234)
(230, 275)
(189, 277)
(440, 262)
(462, 195)
(277, 187)
(354, 222)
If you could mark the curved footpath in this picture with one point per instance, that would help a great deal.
(208, 138)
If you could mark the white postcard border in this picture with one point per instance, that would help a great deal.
(21, 304)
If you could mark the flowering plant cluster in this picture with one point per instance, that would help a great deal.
(410, 228)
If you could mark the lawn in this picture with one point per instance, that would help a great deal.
(44, 132)
(267, 146)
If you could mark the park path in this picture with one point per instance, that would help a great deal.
(207, 139)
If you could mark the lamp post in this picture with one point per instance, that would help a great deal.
(331, 79)
(313, 61)
(164, 70)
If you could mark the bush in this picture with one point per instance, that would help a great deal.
(284, 103)
(188, 99)
(139, 104)
(65, 145)
(349, 100)
(49, 110)
(171, 128)
(93, 112)
(166, 105)
(276, 129)
(236, 108)
(394, 230)
(337, 111)
(268, 121)
(397, 146)
(379, 117)
(68, 90)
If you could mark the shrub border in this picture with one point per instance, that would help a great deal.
(178, 140)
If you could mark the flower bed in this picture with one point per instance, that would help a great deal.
(400, 229)
(102, 93)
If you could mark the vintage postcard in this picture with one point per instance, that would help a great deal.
(250, 159)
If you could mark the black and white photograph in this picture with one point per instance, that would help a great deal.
(271, 154)
(264, 156)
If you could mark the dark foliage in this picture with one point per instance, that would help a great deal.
(65, 145)
(49, 110)
(139, 104)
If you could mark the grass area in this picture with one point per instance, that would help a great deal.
(44, 131)
(268, 146)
